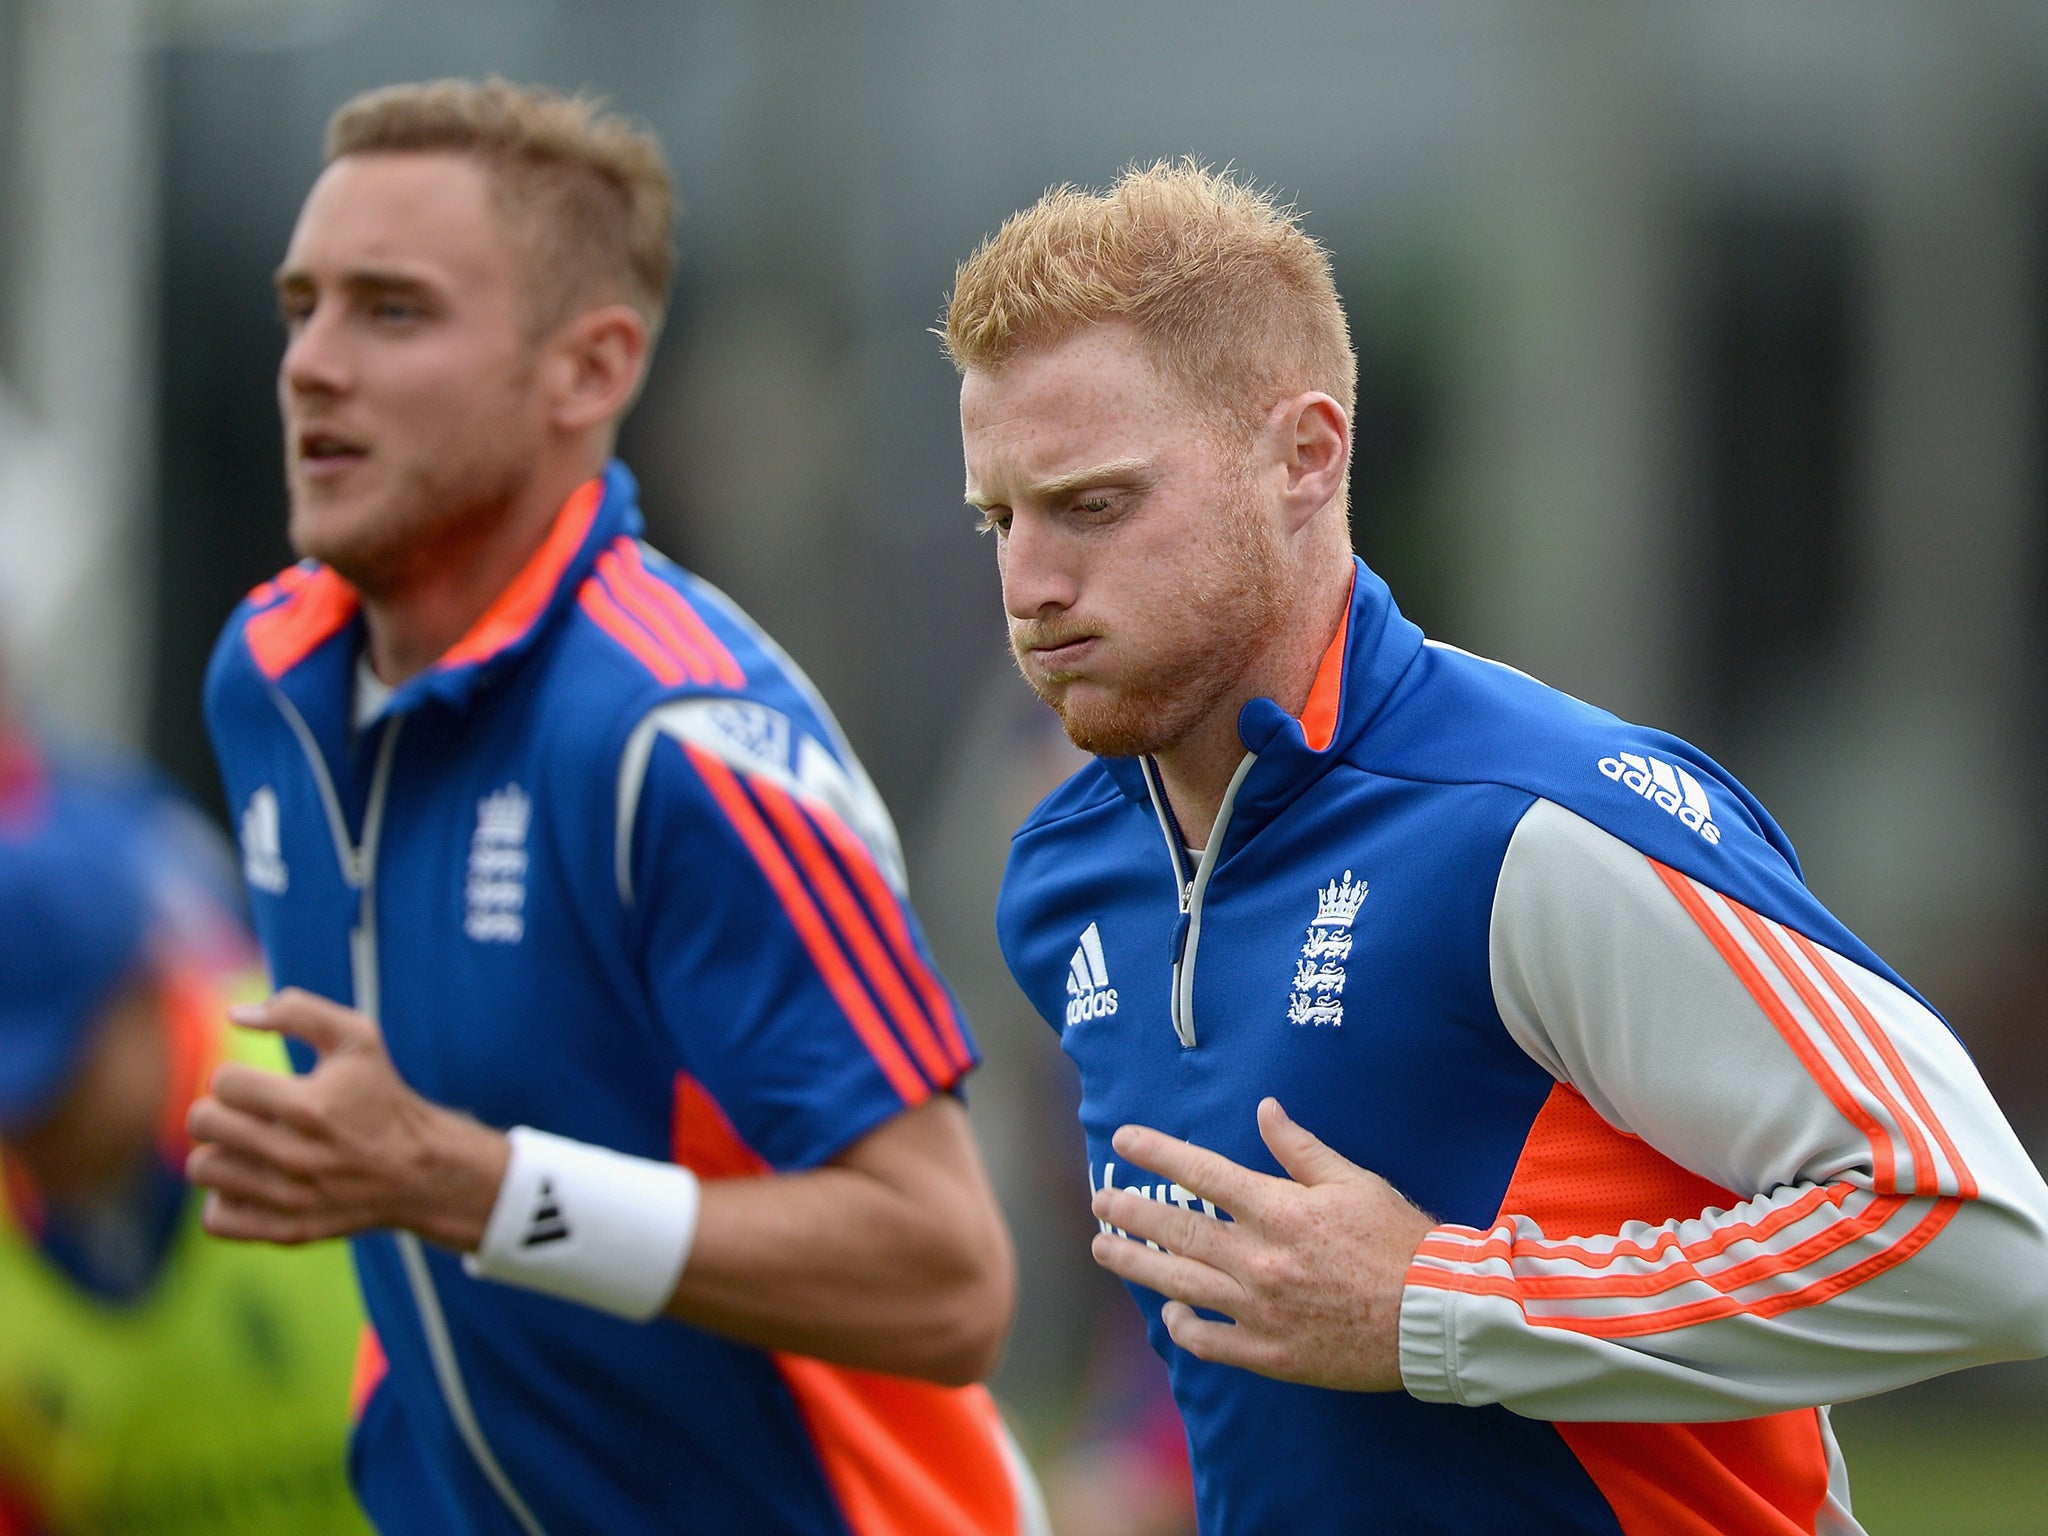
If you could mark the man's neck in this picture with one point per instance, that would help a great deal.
(414, 622)
(1196, 771)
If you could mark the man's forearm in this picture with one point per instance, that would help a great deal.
(837, 1264)
(892, 1258)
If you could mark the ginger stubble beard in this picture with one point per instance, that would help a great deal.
(1231, 601)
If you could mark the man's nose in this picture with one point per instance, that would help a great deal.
(1038, 569)
(314, 361)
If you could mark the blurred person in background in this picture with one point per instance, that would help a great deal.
(644, 1117)
(1608, 1156)
(151, 1377)
(1121, 1468)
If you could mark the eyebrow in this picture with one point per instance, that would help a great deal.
(297, 280)
(1074, 480)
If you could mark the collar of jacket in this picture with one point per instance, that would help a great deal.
(1365, 663)
(306, 640)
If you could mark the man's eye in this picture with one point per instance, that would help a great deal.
(399, 311)
(1094, 505)
(995, 521)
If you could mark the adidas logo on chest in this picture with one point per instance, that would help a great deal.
(1089, 994)
(263, 844)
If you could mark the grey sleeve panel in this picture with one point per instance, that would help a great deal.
(759, 743)
(1602, 975)
(1891, 1227)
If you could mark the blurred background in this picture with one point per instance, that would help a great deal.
(1702, 375)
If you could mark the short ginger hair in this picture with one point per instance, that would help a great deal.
(1231, 297)
(587, 193)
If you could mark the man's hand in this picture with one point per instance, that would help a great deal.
(1311, 1269)
(345, 1148)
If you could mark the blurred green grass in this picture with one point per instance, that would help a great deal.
(1923, 1467)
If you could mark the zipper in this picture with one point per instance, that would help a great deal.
(359, 869)
(1187, 938)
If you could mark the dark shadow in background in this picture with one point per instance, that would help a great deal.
(1401, 317)
(1774, 378)
(220, 466)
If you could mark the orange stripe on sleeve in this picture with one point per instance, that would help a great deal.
(810, 925)
(1924, 1172)
(1775, 1010)
(1966, 1181)
(620, 625)
(724, 668)
(1580, 1175)
(888, 913)
(1493, 1245)
(630, 594)
(855, 932)
(1764, 1266)
(1714, 1308)
(1707, 1309)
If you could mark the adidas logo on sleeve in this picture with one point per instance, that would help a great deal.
(1670, 788)
(1089, 994)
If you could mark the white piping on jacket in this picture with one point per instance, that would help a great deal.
(359, 869)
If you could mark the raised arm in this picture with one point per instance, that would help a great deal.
(1827, 1201)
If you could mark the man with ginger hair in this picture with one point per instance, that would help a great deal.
(543, 834)
(1608, 1156)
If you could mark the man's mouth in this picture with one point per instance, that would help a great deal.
(1056, 654)
(1061, 647)
(325, 452)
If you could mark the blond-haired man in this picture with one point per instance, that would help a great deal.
(1696, 1161)
(587, 858)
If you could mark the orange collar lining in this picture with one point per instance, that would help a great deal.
(319, 603)
(513, 611)
(1319, 714)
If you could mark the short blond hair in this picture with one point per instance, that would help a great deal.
(587, 191)
(1234, 300)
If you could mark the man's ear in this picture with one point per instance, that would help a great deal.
(596, 362)
(1312, 440)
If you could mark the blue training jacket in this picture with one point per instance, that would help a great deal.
(610, 870)
(1702, 1162)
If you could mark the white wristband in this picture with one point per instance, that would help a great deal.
(589, 1224)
